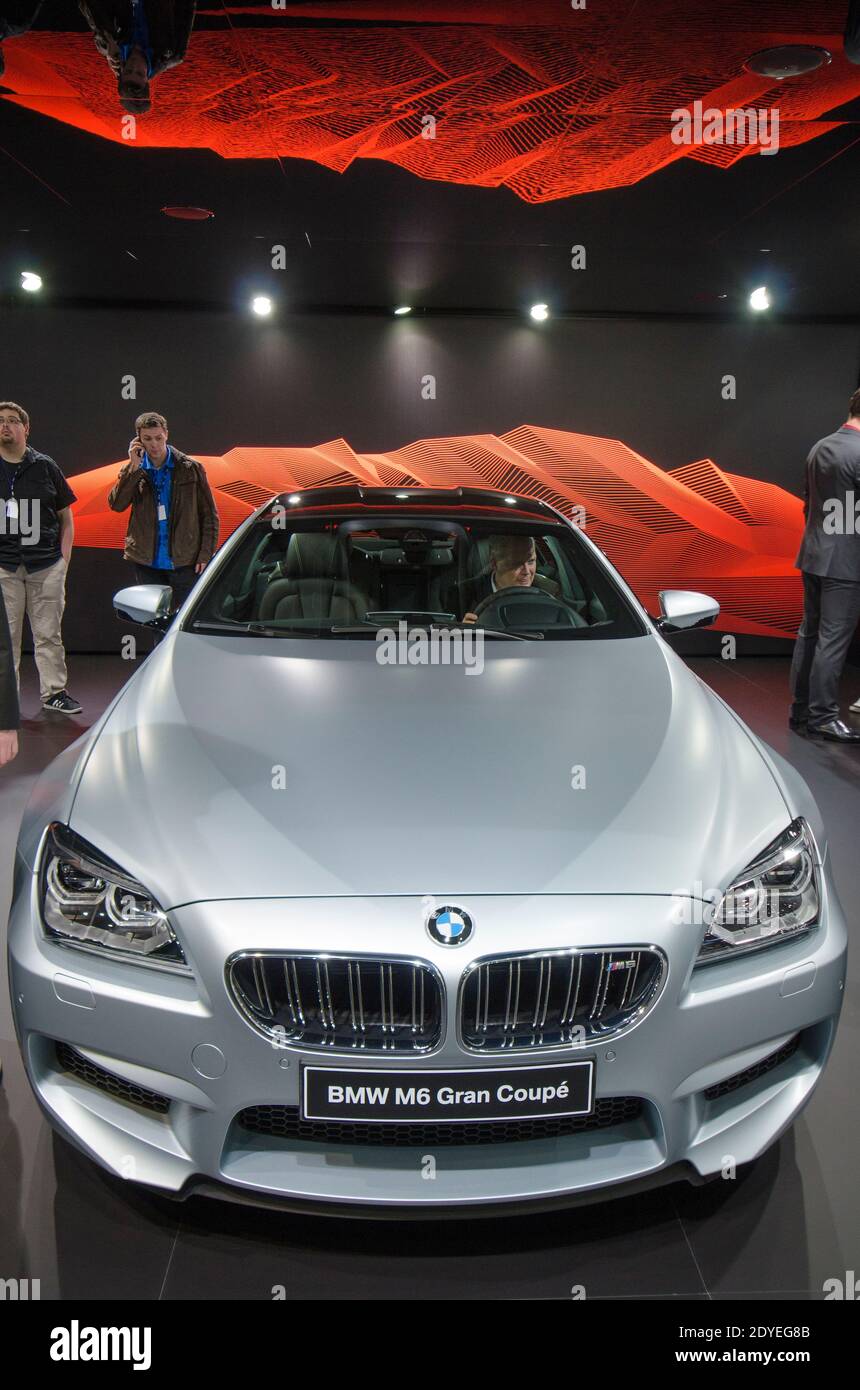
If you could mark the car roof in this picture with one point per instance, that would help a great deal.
(508, 504)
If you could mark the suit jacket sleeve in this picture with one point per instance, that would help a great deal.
(9, 714)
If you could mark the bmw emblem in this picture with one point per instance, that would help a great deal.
(450, 926)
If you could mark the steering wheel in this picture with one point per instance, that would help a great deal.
(518, 594)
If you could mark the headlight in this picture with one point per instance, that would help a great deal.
(775, 898)
(86, 899)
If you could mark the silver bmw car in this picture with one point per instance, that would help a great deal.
(414, 873)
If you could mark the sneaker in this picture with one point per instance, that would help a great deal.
(63, 703)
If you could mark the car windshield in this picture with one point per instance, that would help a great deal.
(341, 577)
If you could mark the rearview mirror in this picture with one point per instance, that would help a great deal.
(684, 608)
(147, 604)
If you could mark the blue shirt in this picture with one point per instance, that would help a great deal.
(162, 480)
(140, 36)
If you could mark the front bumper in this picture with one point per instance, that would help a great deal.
(182, 1038)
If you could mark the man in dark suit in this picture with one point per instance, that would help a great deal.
(512, 564)
(9, 719)
(829, 558)
(17, 18)
(8, 699)
(852, 32)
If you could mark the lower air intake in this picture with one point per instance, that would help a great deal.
(79, 1066)
(284, 1122)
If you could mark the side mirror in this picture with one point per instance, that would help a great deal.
(147, 604)
(684, 608)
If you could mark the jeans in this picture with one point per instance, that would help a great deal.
(181, 580)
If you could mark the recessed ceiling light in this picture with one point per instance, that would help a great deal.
(402, 496)
(262, 305)
(787, 60)
(187, 214)
(296, 497)
(403, 309)
(760, 299)
(539, 312)
(30, 281)
(511, 501)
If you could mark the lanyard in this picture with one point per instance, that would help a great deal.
(158, 474)
(139, 35)
(11, 471)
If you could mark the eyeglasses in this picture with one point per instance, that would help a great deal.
(11, 420)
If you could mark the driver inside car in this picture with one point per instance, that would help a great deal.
(513, 564)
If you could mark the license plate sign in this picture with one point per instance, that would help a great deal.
(485, 1093)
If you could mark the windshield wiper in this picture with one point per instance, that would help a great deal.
(258, 628)
(229, 625)
(409, 615)
(364, 628)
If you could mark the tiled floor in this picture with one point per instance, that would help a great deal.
(779, 1231)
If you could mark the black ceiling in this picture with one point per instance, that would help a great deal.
(85, 213)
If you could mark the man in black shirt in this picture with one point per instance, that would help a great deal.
(36, 538)
(829, 558)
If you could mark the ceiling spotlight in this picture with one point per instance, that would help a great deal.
(760, 299)
(30, 281)
(787, 60)
(539, 312)
(262, 305)
(511, 501)
(403, 309)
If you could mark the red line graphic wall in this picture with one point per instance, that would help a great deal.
(695, 527)
(555, 102)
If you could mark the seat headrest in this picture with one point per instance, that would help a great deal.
(315, 557)
(479, 559)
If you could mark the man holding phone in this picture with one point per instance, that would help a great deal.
(173, 527)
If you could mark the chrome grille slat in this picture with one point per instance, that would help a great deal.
(347, 1003)
(632, 980)
(295, 1014)
(262, 989)
(557, 998)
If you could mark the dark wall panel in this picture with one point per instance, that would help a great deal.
(226, 380)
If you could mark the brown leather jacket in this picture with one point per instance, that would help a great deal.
(169, 21)
(193, 514)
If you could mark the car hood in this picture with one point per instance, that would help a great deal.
(241, 767)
